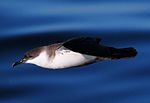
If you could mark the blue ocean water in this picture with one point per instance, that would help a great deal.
(27, 24)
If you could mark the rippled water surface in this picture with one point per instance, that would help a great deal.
(27, 24)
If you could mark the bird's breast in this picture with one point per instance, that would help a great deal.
(68, 58)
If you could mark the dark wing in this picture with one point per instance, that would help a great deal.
(87, 45)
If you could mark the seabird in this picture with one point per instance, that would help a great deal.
(73, 53)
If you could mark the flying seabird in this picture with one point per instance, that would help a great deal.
(73, 53)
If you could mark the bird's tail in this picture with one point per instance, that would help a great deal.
(122, 53)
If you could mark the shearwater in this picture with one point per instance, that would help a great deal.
(73, 53)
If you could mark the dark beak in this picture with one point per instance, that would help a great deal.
(18, 62)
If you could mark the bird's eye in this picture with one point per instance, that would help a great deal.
(30, 56)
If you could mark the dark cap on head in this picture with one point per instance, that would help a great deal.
(31, 54)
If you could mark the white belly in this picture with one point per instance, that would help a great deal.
(67, 58)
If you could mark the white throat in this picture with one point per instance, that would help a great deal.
(41, 60)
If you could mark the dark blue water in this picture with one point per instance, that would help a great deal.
(27, 24)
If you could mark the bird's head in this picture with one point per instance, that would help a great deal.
(29, 57)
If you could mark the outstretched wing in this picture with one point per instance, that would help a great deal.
(87, 45)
